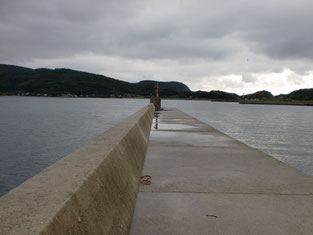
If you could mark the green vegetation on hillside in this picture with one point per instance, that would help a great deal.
(303, 94)
(300, 95)
(214, 95)
(259, 95)
(65, 82)
(57, 82)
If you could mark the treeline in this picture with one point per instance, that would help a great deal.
(302, 94)
(65, 82)
(57, 82)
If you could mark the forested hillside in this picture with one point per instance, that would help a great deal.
(66, 82)
(56, 82)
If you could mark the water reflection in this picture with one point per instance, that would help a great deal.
(156, 117)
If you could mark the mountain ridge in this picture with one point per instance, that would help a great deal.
(55, 82)
(68, 82)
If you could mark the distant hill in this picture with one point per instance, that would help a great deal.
(56, 82)
(303, 94)
(66, 82)
(214, 95)
(259, 95)
(174, 86)
(298, 97)
(167, 89)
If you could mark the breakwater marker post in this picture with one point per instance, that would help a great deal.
(156, 100)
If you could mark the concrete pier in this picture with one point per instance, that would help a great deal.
(205, 182)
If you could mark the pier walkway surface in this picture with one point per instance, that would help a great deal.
(205, 182)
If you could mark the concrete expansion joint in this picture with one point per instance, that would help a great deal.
(229, 193)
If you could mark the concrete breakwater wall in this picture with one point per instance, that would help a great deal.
(91, 191)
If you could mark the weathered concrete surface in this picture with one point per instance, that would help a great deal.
(91, 191)
(205, 182)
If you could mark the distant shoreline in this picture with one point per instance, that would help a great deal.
(277, 102)
(240, 101)
(121, 97)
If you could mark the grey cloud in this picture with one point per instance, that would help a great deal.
(296, 79)
(280, 29)
(137, 29)
(200, 38)
(248, 78)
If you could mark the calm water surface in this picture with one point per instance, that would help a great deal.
(35, 132)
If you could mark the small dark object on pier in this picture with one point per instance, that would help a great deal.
(145, 179)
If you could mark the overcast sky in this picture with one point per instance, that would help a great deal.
(239, 46)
